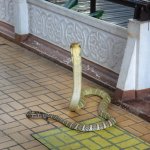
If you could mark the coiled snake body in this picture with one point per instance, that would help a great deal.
(77, 100)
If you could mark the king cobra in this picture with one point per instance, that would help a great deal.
(78, 100)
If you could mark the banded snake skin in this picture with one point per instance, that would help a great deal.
(78, 100)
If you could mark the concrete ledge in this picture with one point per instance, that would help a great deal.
(137, 102)
(7, 31)
(20, 38)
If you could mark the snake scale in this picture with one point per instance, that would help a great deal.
(78, 100)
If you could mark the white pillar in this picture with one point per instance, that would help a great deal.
(143, 57)
(135, 69)
(21, 17)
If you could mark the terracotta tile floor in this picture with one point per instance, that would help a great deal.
(28, 81)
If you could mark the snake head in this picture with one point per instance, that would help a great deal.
(73, 45)
(29, 114)
(75, 50)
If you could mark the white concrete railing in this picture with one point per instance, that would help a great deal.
(102, 42)
(7, 11)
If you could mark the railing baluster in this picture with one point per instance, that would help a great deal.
(92, 6)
